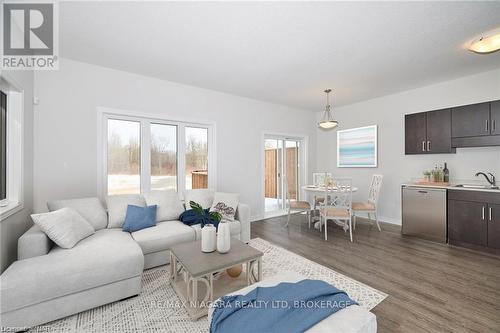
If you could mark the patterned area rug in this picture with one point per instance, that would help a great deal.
(158, 309)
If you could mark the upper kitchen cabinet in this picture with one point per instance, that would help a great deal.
(476, 125)
(442, 131)
(415, 133)
(428, 132)
(495, 117)
(470, 120)
(439, 132)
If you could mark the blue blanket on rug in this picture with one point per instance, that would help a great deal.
(287, 307)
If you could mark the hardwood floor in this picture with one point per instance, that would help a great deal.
(432, 287)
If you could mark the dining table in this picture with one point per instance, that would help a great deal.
(314, 191)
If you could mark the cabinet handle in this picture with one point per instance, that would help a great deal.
(487, 125)
(494, 126)
(490, 211)
(428, 146)
(482, 213)
(423, 145)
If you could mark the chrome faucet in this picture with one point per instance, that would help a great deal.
(491, 181)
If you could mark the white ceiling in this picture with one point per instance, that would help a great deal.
(286, 53)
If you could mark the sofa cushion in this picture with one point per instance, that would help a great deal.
(204, 197)
(65, 226)
(162, 236)
(234, 227)
(107, 256)
(225, 204)
(117, 207)
(168, 202)
(90, 208)
(139, 218)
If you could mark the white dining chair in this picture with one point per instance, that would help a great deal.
(337, 205)
(296, 206)
(319, 179)
(371, 205)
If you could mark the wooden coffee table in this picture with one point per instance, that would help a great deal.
(192, 273)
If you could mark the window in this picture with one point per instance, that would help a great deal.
(11, 147)
(143, 154)
(163, 157)
(3, 147)
(196, 158)
(124, 154)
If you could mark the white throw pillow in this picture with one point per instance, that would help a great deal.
(65, 226)
(203, 197)
(169, 206)
(90, 209)
(225, 204)
(117, 207)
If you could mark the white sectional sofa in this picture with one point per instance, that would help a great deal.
(48, 283)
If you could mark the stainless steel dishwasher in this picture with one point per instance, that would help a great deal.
(424, 213)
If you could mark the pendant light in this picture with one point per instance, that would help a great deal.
(486, 44)
(327, 121)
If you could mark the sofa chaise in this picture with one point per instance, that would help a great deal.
(48, 282)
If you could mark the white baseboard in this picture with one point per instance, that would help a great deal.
(390, 220)
(256, 218)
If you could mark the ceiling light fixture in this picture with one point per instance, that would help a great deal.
(486, 44)
(327, 121)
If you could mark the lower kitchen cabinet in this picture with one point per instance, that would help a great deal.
(465, 223)
(494, 226)
(474, 219)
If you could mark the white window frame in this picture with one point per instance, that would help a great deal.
(15, 147)
(103, 114)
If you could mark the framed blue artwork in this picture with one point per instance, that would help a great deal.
(357, 147)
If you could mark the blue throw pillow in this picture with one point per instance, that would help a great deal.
(138, 218)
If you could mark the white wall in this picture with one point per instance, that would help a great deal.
(388, 113)
(15, 225)
(66, 128)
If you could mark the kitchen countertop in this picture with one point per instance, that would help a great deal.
(451, 187)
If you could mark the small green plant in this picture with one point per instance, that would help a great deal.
(208, 217)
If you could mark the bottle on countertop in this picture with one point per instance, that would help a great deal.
(446, 173)
(435, 174)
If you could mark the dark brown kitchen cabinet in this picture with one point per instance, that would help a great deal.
(476, 125)
(494, 226)
(465, 223)
(495, 118)
(428, 132)
(474, 219)
(439, 131)
(470, 120)
(415, 133)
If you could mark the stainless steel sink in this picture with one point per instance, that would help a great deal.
(477, 186)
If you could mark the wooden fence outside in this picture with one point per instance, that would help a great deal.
(271, 172)
(199, 179)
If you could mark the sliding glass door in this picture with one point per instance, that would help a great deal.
(282, 160)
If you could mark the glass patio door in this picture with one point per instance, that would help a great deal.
(282, 172)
